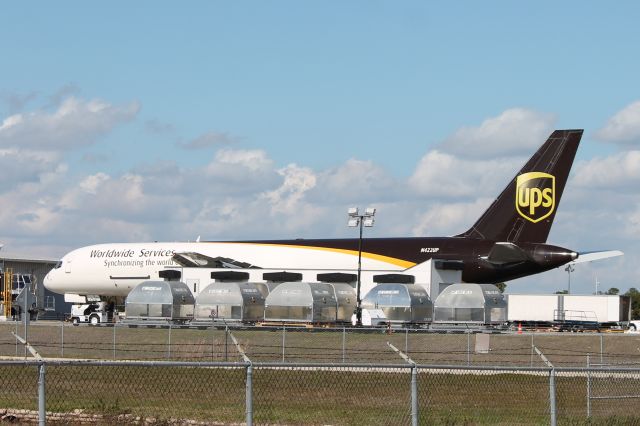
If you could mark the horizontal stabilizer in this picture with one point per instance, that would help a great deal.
(590, 256)
(503, 252)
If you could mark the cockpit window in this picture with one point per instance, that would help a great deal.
(58, 264)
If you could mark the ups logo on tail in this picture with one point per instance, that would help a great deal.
(535, 195)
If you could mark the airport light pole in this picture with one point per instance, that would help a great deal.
(360, 220)
(569, 269)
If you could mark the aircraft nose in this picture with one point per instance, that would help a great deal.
(47, 280)
(50, 282)
(574, 255)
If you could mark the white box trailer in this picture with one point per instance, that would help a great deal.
(549, 308)
(531, 307)
(605, 308)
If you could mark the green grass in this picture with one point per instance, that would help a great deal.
(562, 349)
(290, 396)
(295, 396)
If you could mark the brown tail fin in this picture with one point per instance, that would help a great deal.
(525, 209)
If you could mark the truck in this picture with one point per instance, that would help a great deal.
(92, 313)
(634, 326)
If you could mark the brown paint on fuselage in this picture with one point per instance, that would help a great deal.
(470, 251)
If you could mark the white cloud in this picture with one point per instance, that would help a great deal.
(158, 127)
(91, 183)
(236, 172)
(623, 127)
(21, 166)
(446, 176)
(208, 140)
(449, 219)
(244, 194)
(253, 160)
(358, 181)
(17, 102)
(75, 123)
(288, 199)
(515, 131)
(633, 224)
(620, 170)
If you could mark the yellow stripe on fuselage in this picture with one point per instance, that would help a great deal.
(387, 259)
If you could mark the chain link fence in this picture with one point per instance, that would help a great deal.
(180, 375)
(336, 345)
(164, 392)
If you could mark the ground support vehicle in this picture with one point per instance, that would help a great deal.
(93, 313)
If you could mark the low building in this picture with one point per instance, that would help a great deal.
(50, 305)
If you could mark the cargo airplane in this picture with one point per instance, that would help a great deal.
(507, 242)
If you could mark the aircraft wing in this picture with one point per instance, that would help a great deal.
(590, 256)
(503, 252)
(199, 260)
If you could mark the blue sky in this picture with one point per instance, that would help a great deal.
(167, 120)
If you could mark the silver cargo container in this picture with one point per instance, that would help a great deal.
(401, 303)
(235, 301)
(477, 303)
(301, 302)
(160, 300)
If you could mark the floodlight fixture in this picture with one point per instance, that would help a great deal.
(360, 220)
(570, 268)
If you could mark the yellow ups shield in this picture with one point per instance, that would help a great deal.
(535, 195)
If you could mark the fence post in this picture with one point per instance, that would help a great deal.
(532, 346)
(226, 343)
(588, 385)
(25, 318)
(283, 340)
(552, 396)
(406, 341)
(169, 349)
(249, 395)
(468, 347)
(61, 339)
(414, 396)
(42, 412)
(344, 343)
(601, 349)
(114, 340)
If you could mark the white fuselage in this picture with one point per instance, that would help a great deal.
(115, 269)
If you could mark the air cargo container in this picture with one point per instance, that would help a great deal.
(232, 301)
(301, 302)
(470, 303)
(401, 303)
(160, 300)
